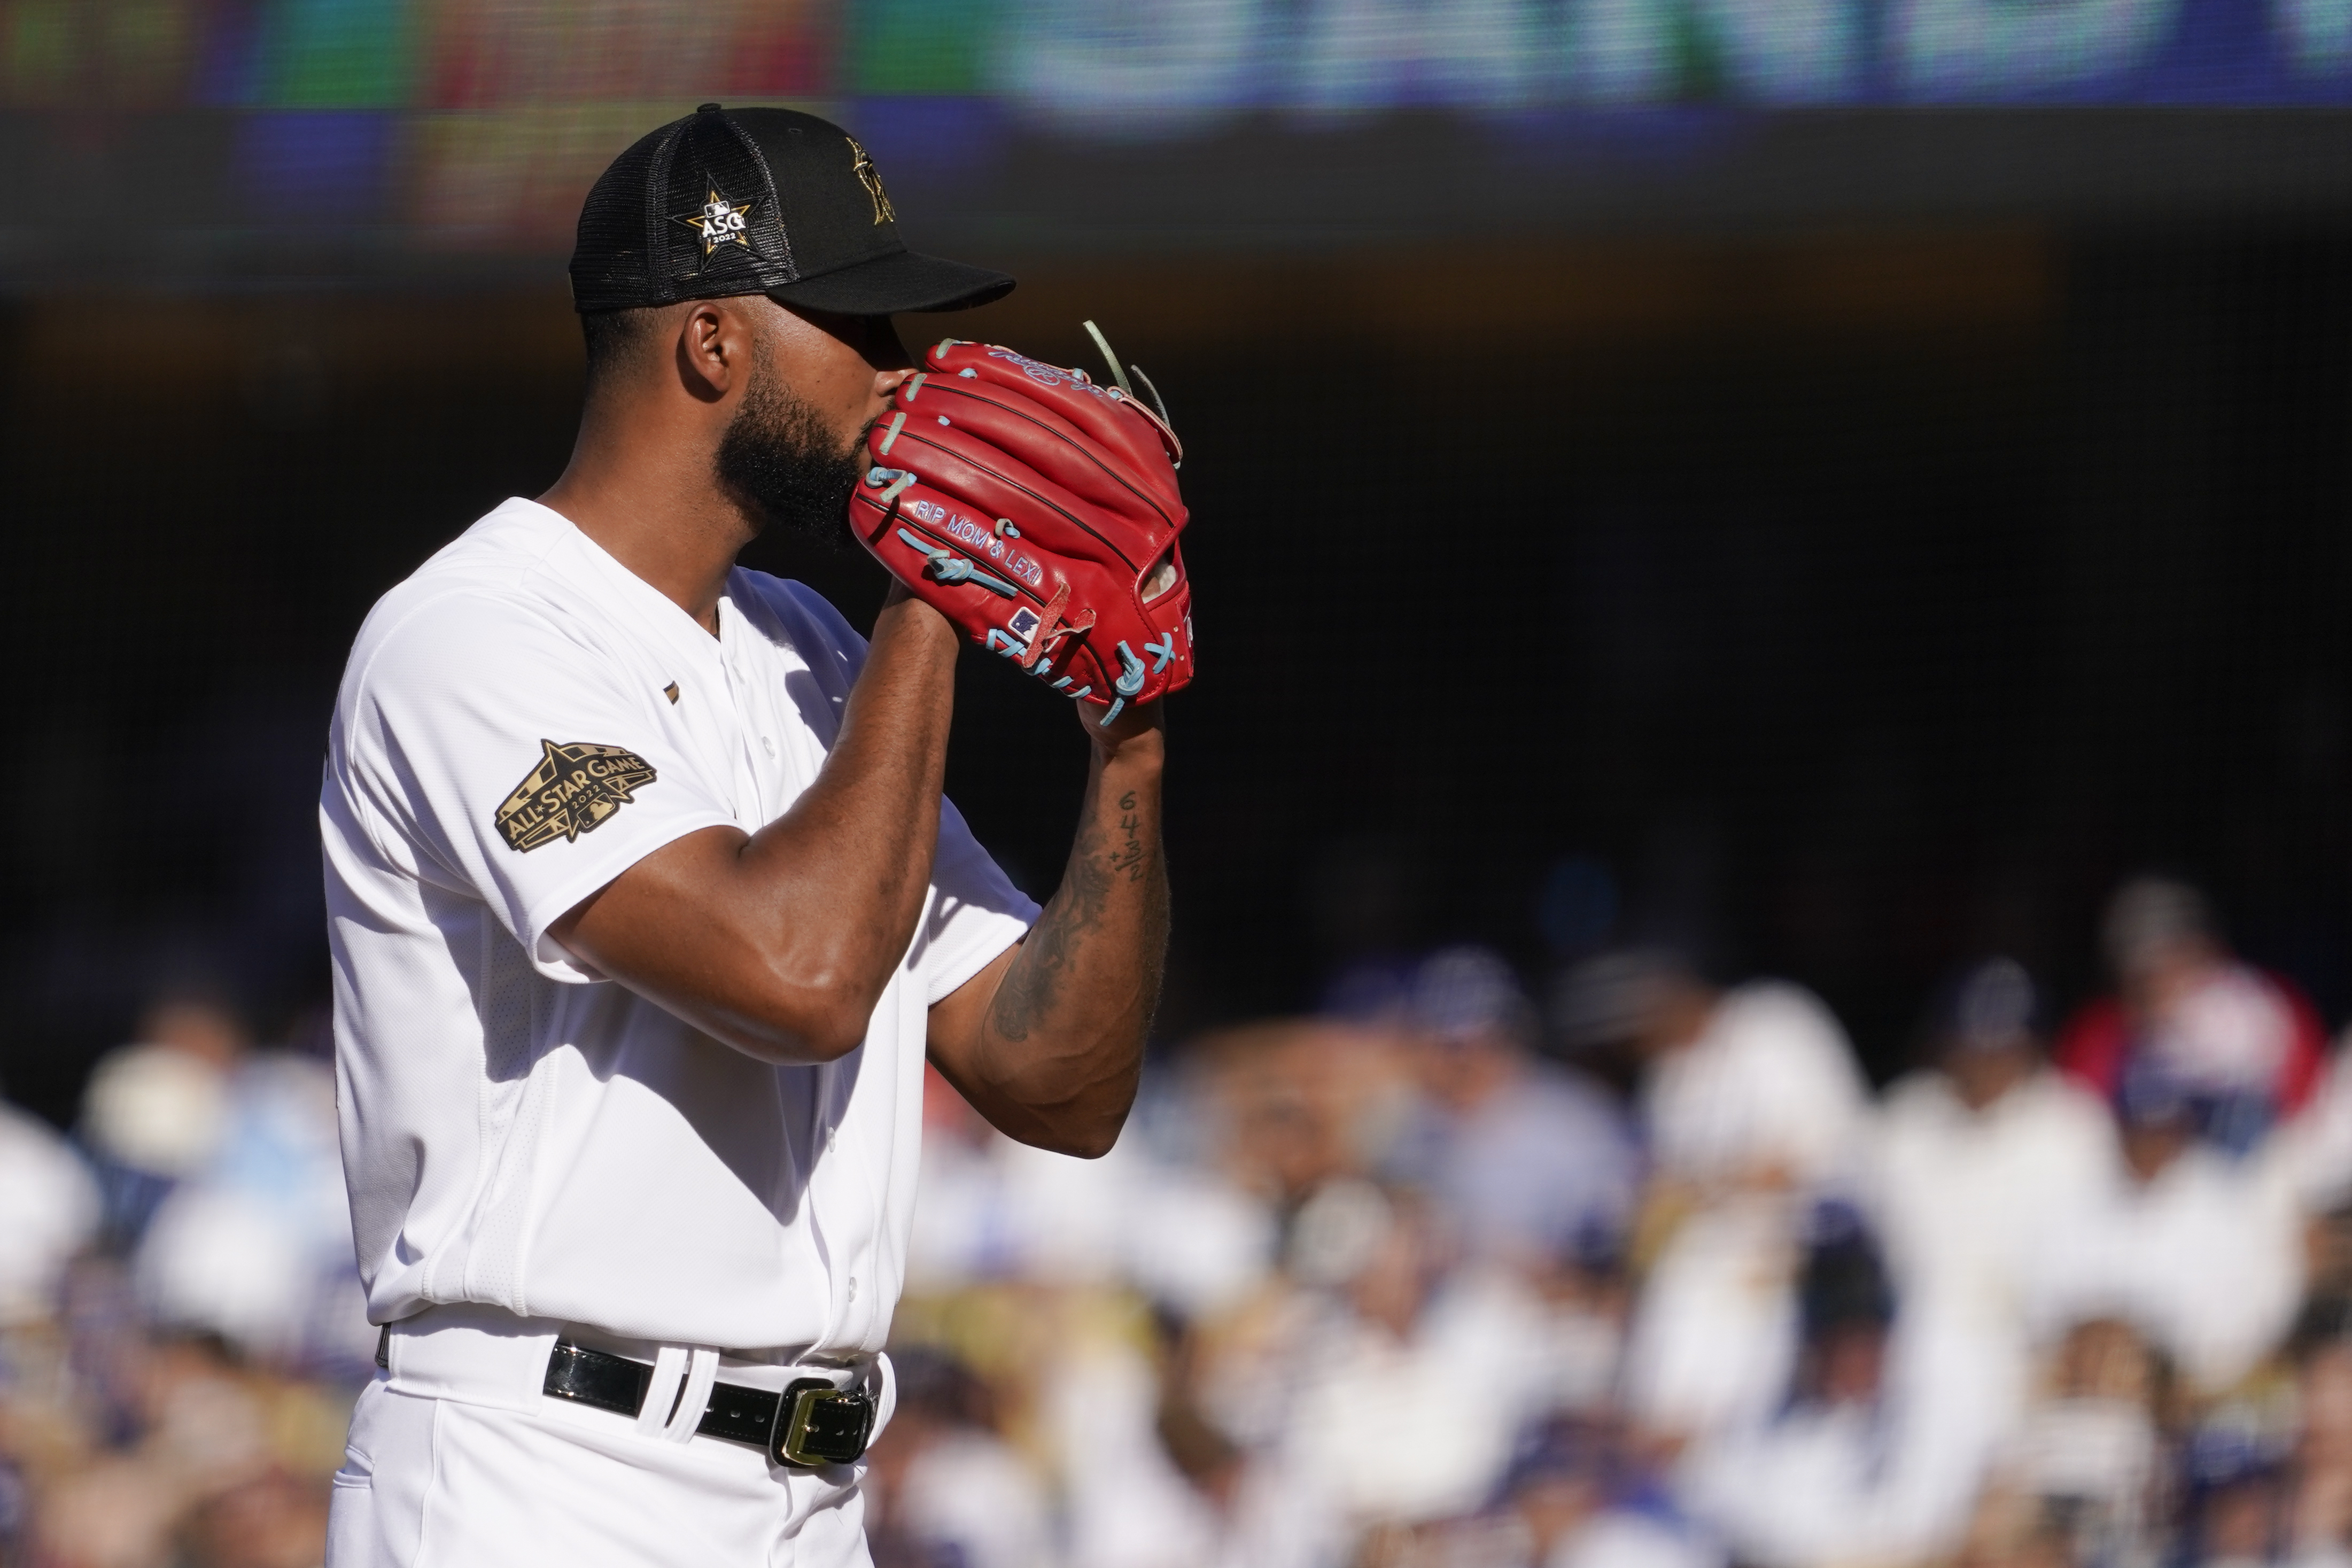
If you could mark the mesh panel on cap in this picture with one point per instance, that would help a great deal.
(711, 155)
(609, 264)
(807, 219)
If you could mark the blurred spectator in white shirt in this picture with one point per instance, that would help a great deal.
(1876, 1453)
(255, 1245)
(1743, 1089)
(989, 1208)
(1750, 1089)
(2202, 1252)
(2245, 1045)
(48, 1211)
(1410, 1379)
(1752, 1106)
(2314, 1149)
(1073, 1237)
(1970, 1162)
(154, 1112)
(1526, 1160)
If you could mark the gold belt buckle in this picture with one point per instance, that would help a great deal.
(817, 1424)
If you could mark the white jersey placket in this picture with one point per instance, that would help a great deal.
(766, 728)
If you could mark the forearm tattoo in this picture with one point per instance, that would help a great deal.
(1039, 981)
(1034, 985)
(1129, 856)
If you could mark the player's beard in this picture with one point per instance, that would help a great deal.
(779, 460)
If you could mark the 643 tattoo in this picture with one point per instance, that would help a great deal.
(1129, 856)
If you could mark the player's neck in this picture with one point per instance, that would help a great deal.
(659, 512)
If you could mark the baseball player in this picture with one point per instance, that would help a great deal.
(647, 908)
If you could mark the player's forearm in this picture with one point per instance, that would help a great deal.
(780, 943)
(846, 871)
(1061, 1046)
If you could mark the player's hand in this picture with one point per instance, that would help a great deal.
(1137, 730)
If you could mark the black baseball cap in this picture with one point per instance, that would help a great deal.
(756, 201)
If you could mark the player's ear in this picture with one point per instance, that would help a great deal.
(713, 348)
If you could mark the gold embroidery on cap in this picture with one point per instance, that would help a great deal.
(871, 178)
(575, 789)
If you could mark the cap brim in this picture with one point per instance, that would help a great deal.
(901, 280)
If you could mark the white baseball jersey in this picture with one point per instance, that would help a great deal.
(520, 721)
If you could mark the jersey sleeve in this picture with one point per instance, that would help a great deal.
(516, 761)
(975, 911)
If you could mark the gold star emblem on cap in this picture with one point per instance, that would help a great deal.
(720, 222)
(871, 178)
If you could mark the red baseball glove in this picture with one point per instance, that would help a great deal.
(1039, 513)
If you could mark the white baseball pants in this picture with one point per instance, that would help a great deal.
(457, 1460)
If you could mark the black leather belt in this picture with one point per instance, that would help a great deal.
(810, 1423)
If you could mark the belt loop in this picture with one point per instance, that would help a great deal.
(661, 1394)
(701, 1372)
(881, 1380)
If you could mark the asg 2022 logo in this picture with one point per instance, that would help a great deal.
(720, 221)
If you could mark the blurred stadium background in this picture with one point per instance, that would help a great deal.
(1828, 489)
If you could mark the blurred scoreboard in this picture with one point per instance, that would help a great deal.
(333, 134)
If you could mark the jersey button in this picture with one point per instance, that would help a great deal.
(768, 744)
(853, 1287)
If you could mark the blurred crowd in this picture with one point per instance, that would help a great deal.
(182, 1331)
(1631, 1270)
(1642, 1274)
